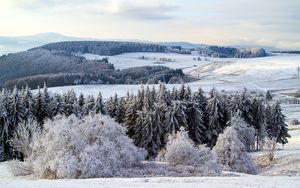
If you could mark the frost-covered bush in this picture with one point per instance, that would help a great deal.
(245, 133)
(94, 146)
(23, 137)
(232, 154)
(180, 150)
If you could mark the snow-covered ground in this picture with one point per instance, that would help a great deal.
(9, 181)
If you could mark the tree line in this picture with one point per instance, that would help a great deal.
(150, 115)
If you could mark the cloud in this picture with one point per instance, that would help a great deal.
(142, 12)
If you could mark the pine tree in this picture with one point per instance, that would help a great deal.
(163, 97)
(242, 103)
(259, 121)
(187, 94)
(216, 120)
(158, 119)
(174, 94)
(27, 103)
(111, 105)
(195, 121)
(70, 102)
(16, 111)
(4, 121)
(120, 111)
(100, 106)
(200, 98)
(175, 117)
(40, 110)
(269, 96)
(131, 116)
(147, 99)
(89, 106)
(181, 92)
(46, 101)
(277, 127)
(57, 106)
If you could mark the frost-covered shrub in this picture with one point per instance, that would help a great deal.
(23, 137)
(245, 133)
(232, 154)
(94, 146)
(180, 150)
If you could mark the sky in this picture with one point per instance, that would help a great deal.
(224, 22)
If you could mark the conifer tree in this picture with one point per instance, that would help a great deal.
(216, 120)
(120, 111)
(195, 121)
(99, 105)
(259, 121)
(16, 111)
(39, 107)
(175, 117)
(57, 106)
(89, 105)
(131, 116)
(277, 127)
(27, 103)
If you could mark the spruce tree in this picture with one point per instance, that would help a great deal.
(277, 127)
(27, 103)
(16, 111)
(175, 117)
(195, 121)
(57, 106)
(131, 116)
(259, 121)
(120, 110)
(100, 106)
(216, 120)
(39, 107)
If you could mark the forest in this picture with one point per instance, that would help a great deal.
(39, 66)
(150, 115)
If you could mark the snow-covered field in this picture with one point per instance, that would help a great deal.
(277, 73)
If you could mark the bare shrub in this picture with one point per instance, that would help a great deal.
(269, 148)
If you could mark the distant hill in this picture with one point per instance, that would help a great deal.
(227, 52)
(18, 44)
(34, 67)
(288, 52)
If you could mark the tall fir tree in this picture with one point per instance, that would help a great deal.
(195, 121)
(27, 103)
(259, 121)
(277, 128)
(175, 117)
(99, 105)
(216, 120)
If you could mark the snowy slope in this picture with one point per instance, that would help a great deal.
(277, 72)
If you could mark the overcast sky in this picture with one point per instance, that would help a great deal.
(260, 22)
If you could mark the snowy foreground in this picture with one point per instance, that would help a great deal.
(285, 173)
